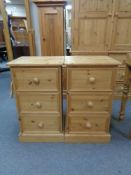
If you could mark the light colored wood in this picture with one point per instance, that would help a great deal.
(92, 21)
(102, 27)
(6, 31)
(40, 124)
(121, 39)
(36, 79)
(89, 124)
(55, 137)
(51, 20)
(37, 61)
(43, 106)
(120, 75)
(127, 85)
(37, 84)
(87, 138)
(90, 87)
(87, 102)
(90, 79)
(119, 88)
(90, 61)
(38, 102)
(119, 56)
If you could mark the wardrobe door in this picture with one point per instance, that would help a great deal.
(121, 38)
(91, 25)
(52, 31)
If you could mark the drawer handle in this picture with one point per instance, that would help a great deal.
(36, 81)
(41, 125)
(92, 79)
(121, 88)
(88, 125)
(90, 104)
(38, 104)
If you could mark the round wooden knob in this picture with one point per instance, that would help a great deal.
(90, 104)
(92, 79)
(121, 88)
(41, 125)
(36, 80)
(88, 125)
(38, 104)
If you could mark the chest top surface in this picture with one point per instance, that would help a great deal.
(37, 61)
(91, 61)
(61, 60)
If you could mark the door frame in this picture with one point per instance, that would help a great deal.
(6, 32)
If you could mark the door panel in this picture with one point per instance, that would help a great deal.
(121, 38)
(94, 5)
(52, 31)
(92, 25)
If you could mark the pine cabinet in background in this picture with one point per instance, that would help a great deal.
(51, 22)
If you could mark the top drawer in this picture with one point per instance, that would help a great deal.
(37, 79)
(90, 79)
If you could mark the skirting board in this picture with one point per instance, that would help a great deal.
(41, 137)
(84, 138)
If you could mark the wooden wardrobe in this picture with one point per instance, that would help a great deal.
(103, 27)
(51, 20)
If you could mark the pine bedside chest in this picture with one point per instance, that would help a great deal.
(90, 86)
(37, 84)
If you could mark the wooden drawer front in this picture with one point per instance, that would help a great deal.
(82, 79)
(89, 103)
(120, 75)
(89, 124)
(39, 123)
(38, 102)
(36, 79)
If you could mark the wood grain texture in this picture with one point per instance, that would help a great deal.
(38, 92)
(90, 87)
(51, 24)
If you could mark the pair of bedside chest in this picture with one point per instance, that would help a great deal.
(41, 83)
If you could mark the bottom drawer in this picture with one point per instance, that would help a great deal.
(95, 123)
(40, 123)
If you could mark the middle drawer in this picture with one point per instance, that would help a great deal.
(38, 102)
(87, 102)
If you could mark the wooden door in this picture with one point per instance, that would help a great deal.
(52, 31)
(121, 38)
(91, 25)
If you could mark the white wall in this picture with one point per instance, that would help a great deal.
(16, 10)
(35, 22)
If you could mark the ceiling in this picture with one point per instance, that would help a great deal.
(16, 2)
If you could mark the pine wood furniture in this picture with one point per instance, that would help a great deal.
(103, 27)
(51, 20)
(37, 84)
(127, 88)
(90, 86)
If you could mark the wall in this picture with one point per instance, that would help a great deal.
(35, 22)
(16, 10)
